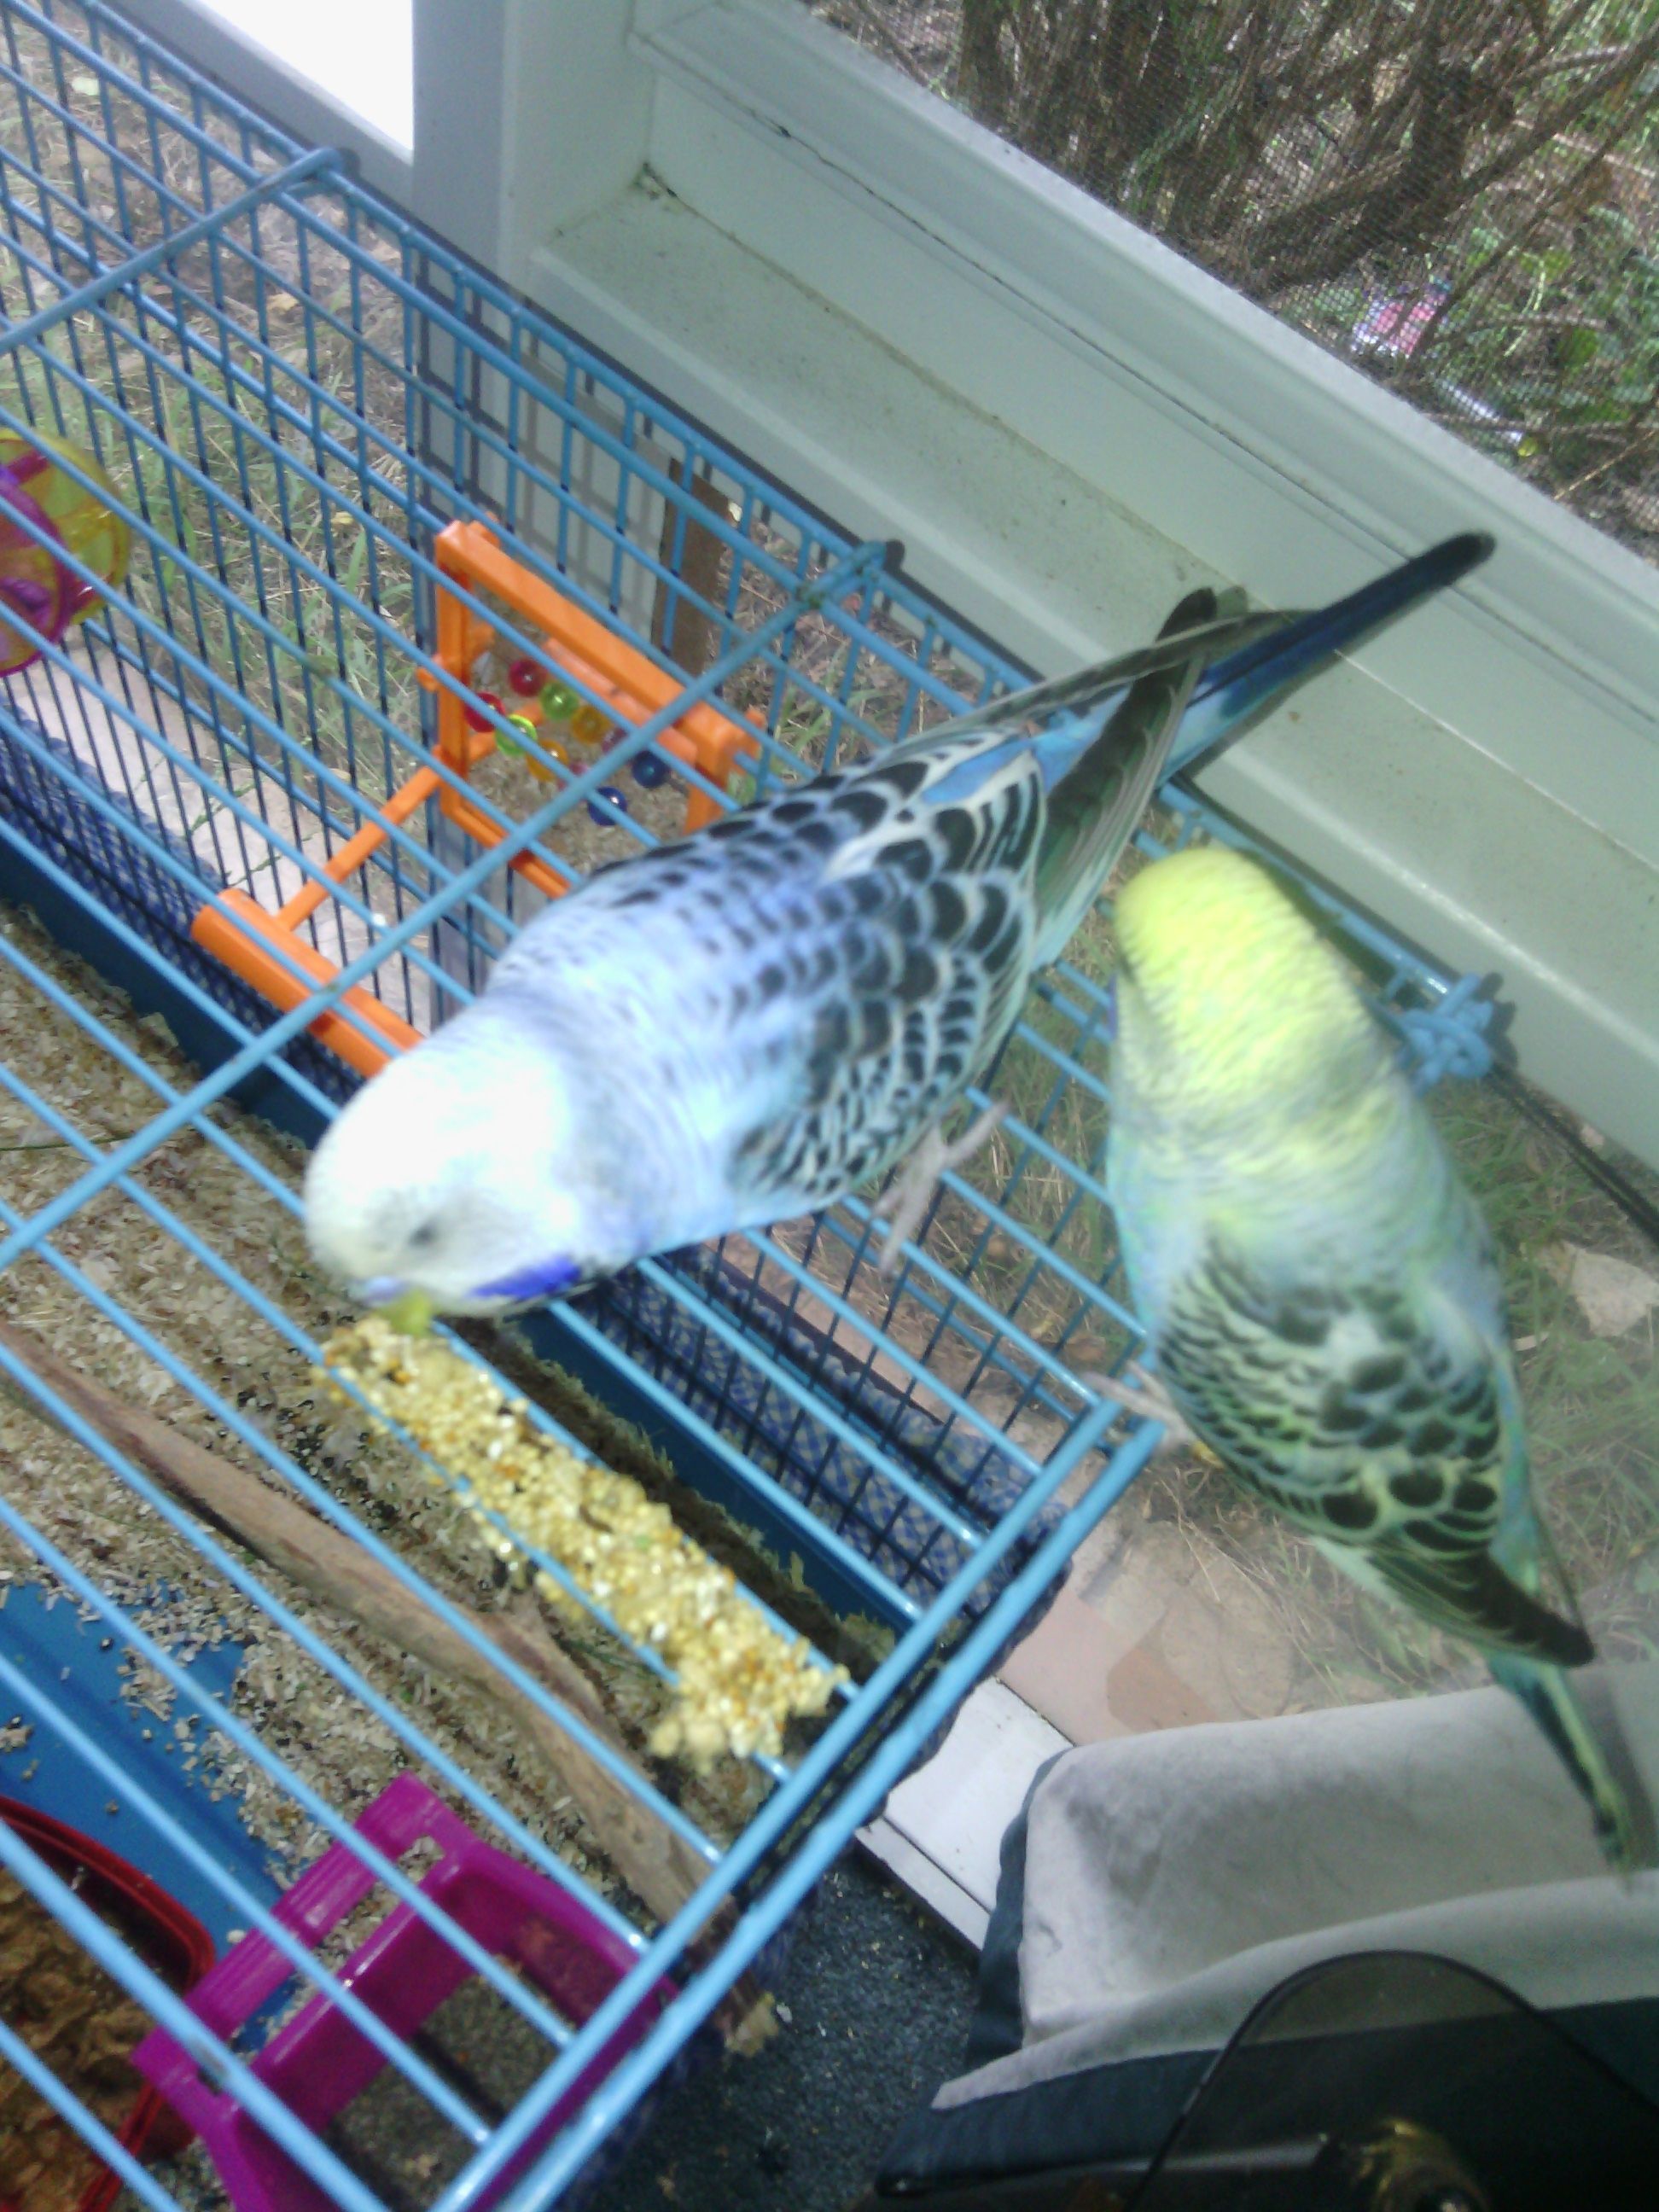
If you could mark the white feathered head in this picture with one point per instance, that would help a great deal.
(462, 1174)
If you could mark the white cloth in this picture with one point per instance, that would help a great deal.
(1173, 1880)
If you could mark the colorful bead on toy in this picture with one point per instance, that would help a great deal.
(615, 804)
(559, 701)
(649, 769)
(562, 702)
(526, 679)
(513, 747)
(536, 756)
(475, 720)
(87, 524)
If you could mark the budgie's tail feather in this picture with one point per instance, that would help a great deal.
(1471, 1594)
(1068, 712)
(1236, 690)
(1528, 1649)
(1575, 1712)
(1095, 804)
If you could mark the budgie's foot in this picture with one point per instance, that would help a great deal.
(1145, 1397)
(904, 1206)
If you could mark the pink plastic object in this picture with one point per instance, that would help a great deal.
(318, 2063)
(31, 581)
(34, 584)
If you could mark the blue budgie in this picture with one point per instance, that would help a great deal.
(1319, 1290)
(745, 1025)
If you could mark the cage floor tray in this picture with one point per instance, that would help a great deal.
(44, 1637)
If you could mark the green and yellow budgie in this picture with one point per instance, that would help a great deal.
(1319, 1290)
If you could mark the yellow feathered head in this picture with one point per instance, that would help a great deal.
(1228, 998)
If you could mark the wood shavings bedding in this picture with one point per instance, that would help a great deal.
(71, 2013)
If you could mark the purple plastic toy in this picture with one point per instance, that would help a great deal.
(318, 2063)
(33, 584)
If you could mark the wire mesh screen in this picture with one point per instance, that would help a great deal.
(226, 788)
(1463, 198)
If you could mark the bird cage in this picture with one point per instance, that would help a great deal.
(352, 610)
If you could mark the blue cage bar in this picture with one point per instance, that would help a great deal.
(294, 390)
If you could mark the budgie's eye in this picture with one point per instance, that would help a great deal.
(423, 1239)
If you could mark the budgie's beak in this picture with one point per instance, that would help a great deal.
(410, 1311)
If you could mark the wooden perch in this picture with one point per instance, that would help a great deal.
(335, 1569)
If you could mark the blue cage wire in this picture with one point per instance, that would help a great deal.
(293, 390)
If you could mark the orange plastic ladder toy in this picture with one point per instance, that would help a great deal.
(248, 938)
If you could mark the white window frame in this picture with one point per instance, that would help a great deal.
(300, 101)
